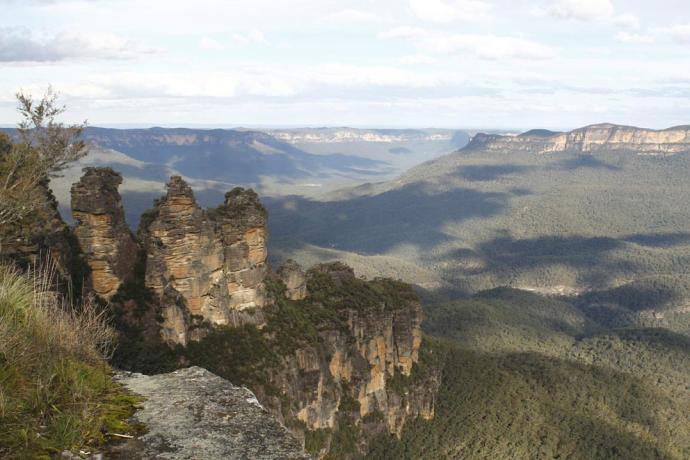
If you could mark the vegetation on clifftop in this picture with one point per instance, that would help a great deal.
(56, 389)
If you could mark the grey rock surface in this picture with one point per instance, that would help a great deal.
(194, 414)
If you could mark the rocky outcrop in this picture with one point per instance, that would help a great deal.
(292, 275)
(106, 243)
(360, 372)
(192, 413)
(591, 139)
(323, 351)
(209, 265)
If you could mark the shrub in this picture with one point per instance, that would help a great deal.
(56, 390)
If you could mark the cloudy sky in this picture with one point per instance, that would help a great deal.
(514, 64)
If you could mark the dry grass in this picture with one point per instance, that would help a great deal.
(38, 321)
(55, 386)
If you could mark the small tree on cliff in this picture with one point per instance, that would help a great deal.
(42, 149)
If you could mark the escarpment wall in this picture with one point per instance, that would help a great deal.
(361, 372)
(591, 139)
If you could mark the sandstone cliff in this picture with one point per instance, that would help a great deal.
(353, 366)
(591, 139)
(104, 238)
(205, 264)
(345, 359)
(338, 359)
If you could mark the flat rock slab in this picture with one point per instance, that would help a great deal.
(194, 414)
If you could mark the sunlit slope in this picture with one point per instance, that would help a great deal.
(562, 222)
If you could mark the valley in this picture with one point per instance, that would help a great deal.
(554, 286)
(345, 230)
(303, 162)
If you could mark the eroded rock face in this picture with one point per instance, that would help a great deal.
(292, 275)
(105, 240)
(215, 260)
(351, 372)
(603, 137)
(192, 413)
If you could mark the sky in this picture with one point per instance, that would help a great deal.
(482, 64)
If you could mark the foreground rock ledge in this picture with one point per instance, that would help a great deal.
(194, 414)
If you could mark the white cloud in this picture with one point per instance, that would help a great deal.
(627, 20)
(583, 10)
(482, 46)
(20, 45)
(680, 33)
(449, 11)
(417, 59)
(591, 10)
(632, 38)
(208, 43)
(352, 15)
(250, 37)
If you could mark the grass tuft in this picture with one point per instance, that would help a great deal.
(56, 389)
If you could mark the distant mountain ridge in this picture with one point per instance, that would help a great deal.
(590, 139)
(345, 134)
(222, 154)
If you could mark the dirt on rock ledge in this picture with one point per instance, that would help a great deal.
(194, 414)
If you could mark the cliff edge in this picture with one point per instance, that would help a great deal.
(192, 413)
(590, 139)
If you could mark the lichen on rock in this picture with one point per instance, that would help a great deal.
(192, 413)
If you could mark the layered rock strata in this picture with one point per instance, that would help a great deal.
(361, 372)
(107, 245)
(591, 139)
(331, 351)
(209, 265)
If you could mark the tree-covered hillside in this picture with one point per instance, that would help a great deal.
(473, 220)
(529, 377)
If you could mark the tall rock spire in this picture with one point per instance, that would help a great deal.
(214, 260)
(108, 246)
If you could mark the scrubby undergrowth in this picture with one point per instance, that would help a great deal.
(56, 390)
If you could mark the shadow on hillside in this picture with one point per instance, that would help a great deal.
(412, 215)
(485, 173)
(636, 296)
(585, 161)
(655, 337)
(528, 405)
(579, 252)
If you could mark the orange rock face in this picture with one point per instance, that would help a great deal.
(356, 364)
(215, 260)
(108, 246)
